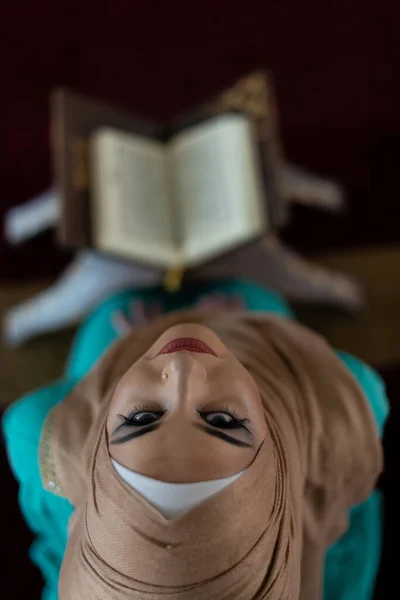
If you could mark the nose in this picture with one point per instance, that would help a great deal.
(185, 375)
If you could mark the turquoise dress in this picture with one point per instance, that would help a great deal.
(351, 563)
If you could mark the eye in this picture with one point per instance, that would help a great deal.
(222, 420)
(142, 417)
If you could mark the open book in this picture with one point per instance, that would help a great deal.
(180, 203)
(188, 189)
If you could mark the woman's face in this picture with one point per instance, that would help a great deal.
(187, 410)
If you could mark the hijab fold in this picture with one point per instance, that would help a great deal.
(262, 537)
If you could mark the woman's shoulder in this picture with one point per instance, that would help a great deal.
(23, 424)
(28, 414)
(372, 385)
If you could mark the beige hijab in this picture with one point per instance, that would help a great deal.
(262, 537)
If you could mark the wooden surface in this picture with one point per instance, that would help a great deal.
(36, 363)
(373, 335)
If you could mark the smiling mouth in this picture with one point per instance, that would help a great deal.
(186, 345)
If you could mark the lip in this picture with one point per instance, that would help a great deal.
(186, 345)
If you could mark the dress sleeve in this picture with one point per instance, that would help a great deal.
(373, 387)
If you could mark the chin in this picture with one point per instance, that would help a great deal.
(191, 330)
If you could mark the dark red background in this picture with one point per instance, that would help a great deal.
(337, 71)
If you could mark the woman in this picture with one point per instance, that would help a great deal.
(208, 454)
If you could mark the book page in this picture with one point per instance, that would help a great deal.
(218, 184)
(132, 213)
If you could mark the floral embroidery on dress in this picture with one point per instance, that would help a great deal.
(46, 461)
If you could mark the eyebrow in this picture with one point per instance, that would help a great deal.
(135, 434)
(222, 436)
(214, 432)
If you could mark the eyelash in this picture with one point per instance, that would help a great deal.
(237, 421)
(223, 408)
(129, 419)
